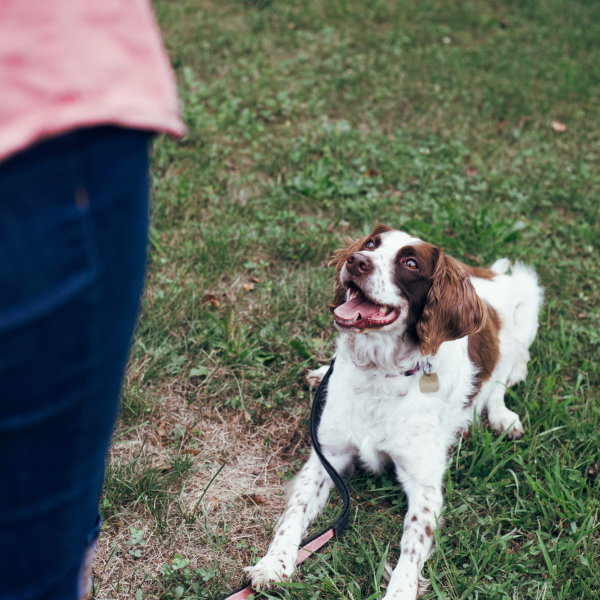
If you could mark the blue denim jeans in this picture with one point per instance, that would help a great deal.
(73, 237)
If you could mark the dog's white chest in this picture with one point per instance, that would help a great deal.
(377, 417)
(373, 425)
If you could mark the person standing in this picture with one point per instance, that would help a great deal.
(83, 87)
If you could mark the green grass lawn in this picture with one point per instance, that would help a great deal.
(309, 121)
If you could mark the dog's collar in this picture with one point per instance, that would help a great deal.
(405, 374)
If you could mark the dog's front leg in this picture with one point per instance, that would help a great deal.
(307, 498)
(425, 504)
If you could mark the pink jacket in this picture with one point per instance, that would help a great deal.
(66, 64)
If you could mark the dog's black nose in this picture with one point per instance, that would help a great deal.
(359, 264)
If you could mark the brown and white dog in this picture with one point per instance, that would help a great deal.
(404, 309)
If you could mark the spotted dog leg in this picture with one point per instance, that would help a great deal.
(425, 504)
(307, 498)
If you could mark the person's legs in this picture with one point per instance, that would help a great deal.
(73, 236)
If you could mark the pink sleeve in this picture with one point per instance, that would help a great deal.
(67, 64)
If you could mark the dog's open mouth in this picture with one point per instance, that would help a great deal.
(360, 313)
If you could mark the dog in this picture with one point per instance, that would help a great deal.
(407, 315)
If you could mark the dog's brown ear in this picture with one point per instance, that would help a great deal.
(339, 258)
(453, 308)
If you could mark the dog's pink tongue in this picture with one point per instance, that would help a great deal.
(358, 306)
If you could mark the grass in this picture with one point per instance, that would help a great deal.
(309, 121)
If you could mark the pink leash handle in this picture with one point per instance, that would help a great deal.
(308, 549)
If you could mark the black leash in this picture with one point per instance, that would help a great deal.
(312, 545)
(315, 419)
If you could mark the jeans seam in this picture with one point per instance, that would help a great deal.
(92, 250)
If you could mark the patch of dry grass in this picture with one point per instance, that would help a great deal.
(234, 488)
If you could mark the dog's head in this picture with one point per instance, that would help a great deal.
(392, 282)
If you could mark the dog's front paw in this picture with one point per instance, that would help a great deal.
(503, 420)
(401, 585)
(401, 594)
(269, 571)
(408, 593)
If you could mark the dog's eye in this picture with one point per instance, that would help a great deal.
(411, 263)
(370, 245)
